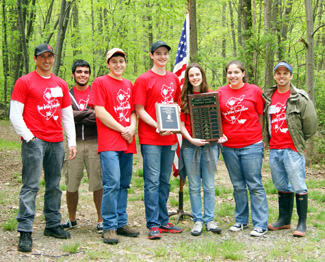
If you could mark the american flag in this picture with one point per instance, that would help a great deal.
(182, 55)
(181, 63)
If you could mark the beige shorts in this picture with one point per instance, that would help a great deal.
(87, 157)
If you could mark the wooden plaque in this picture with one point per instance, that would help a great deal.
(168, 117)
(205, 116)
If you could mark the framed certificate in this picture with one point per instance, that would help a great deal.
(205, 116)
(168, 117)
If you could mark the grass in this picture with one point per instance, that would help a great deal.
(9, 145)
(10, 225)
(86, 244)
(269, 187)
(223, 191)
(71, 247)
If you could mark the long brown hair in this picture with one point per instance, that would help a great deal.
(188, 88)
(240, 65)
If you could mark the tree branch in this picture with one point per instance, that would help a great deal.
(317, 29)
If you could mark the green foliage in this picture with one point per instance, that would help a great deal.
(71, 247)
(63, 187)
(10, 225)
(42, 182)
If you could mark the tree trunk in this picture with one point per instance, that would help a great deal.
(48, 15)
(269, 53)
(232, 30)
(320, 40)
(284, 30)
(223, 43)
(247, 34)
(21, 27)
(239, 22)
(63, 24)
(5, 56)
(75, 30)
(30, 24)
(310, 82)
(193, 31)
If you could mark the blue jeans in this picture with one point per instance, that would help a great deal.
(288, 170)
(194, 180)
(35, 155)
(117, 173)
(244, 167)
(157, 167)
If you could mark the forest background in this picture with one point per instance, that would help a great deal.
(257, 32)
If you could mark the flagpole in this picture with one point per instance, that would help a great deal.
(180, 211)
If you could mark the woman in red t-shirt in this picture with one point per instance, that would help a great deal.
(241, 106)
(197, 156)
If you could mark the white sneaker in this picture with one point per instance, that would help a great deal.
(237, 227)
(197, 228)
(258, 232)
(213, 227)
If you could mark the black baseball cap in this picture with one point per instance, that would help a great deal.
(41, 48)
(158, 44)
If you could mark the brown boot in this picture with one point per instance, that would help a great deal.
(110, 237)
(127, 231)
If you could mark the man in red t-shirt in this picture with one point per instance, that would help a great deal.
(39, 102)
(112, 96)
(291, 120)
(158, 150)
(86, 132)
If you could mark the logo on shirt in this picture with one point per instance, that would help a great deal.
(167, 94)
(279, 117)
(235, 110)
(49, 108)
(123, 108)
(83, 103)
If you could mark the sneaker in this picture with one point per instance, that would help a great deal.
(170, 228)
(69, 224)
(25, 242)
(213, 227)
(57, 232)
(197, 228)
(127, 231)
(154, 233)
(258, 232)
(110, 237)
(237, 227)
(99, 228)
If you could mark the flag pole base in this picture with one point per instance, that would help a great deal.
(180, 211)
(180, 214)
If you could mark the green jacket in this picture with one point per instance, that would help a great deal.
(300, 114)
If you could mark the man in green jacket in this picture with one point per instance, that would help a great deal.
(291, 120)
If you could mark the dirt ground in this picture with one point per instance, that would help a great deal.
(90, 243)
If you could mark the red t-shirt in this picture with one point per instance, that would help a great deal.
(116, 97)
(149, 89)
(82, 97)
(43, 99)
(239, 113)
(280, 136)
